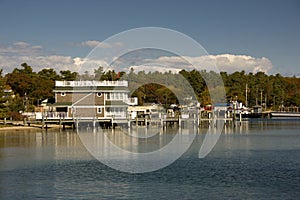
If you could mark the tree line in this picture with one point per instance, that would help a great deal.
(23, 89)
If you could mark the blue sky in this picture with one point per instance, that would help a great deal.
(59, 29)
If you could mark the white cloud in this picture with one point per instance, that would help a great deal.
(224, 62)
(21, 44)
(98, 44)
(20, 48)
(12, 56)
(232, 63)
(8, 63)
(86, 64)
(57, 62)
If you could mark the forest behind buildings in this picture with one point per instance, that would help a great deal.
(22, 89)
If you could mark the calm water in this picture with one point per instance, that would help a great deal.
(258, 160)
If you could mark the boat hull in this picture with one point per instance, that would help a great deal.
(285, 114)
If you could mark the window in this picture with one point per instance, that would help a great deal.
(99, 94)
(108, 95)
(99, 110)
(63, 94)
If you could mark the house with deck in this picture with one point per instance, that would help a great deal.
(105, 101)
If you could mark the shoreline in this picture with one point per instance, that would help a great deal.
(31, 127)
(16, 128)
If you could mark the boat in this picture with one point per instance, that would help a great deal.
(285, 114)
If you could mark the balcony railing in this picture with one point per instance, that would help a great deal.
(51, 115)
(90, 83)
(132, 101)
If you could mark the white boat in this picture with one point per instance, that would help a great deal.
(285, 114)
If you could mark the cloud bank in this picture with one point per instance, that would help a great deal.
(224, 62)
(12, 56)
(20, 48)
(98, 44)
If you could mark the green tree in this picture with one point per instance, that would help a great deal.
(31, 86)
(49, 74)
(21, 80)
(98, 73)
(3, 98)
(67, 75)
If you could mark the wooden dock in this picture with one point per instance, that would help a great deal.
(162, 120)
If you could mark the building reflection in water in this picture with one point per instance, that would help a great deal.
(19, 148)
(30, 147)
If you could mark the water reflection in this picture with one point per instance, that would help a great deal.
(21, 148)
(28, 147)
(260, 157)
(124, 150)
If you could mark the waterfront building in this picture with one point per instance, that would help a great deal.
(148, 111)
(100, 100)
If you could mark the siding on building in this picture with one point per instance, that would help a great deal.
(105, 99)
(86, 111)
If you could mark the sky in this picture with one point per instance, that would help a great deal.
(248, 35)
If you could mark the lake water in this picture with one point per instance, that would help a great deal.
(258, 160)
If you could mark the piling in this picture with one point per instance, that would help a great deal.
(60, 123)
(43, 122)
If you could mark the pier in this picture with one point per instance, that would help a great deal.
(201, 119)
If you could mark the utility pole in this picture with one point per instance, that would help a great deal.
(274, 103)
(256, 96)
(282, 99)
(246, 103)
(265, 102)
(25, 103)
(261, 97)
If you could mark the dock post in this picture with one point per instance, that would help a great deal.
(77, 123)
(198, 120)
(43, 121)
(234, 115)
(59, 122)
(215, 121)
(240, 119)
(129, 124)
(112, 123)
(94, 123)
(63, 123)
(46, 125)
